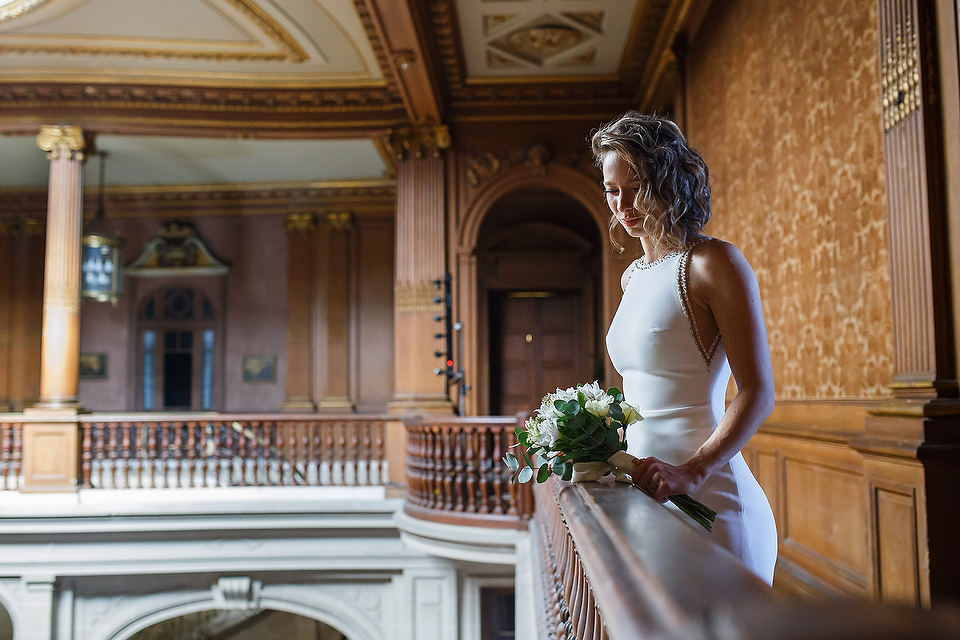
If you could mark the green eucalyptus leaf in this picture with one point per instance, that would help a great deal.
(526, 474)
(526, 458)
(567, 472)
(543, 474)
(522, 437)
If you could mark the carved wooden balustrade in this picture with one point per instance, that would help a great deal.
(130, 451)
(455, 472)
(612, 564)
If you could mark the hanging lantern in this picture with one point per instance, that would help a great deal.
(101, 276)
(100, 268)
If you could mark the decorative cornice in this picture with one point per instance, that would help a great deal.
(383, 59)
(7, 227)
(338, 221)
(33, 227)
(294, 223)
(292, 50)
(52, 138)
(414, 140)
(375, 198)
(483, 166)
(19, 7)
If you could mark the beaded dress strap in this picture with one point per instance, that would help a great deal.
(706, 353)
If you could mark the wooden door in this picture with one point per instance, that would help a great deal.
(536, 346)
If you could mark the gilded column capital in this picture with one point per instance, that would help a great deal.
(339, 221)
(294, 223)
(415, 140)
(52, 137)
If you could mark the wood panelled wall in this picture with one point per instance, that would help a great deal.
(814, 177)
(21, 310)
(348, 302)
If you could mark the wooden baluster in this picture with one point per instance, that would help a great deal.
(326, 476)
(446, 477)
(459, 444)
(125, 454)
(435, 460)
(107, 473)
(427, 466)
(85, 456)
(414, 486)
(194, 461)
(485, 458)
(317, 444)
(226, 458)
(471, 472)
(496, 471)
(152, 434)
(261, 448)
(5, 453)
(277, 455)
(17, 455)
(306, 428)
(341, 453)
(354, 455)
(177, 466)
(382, 472)
(99, 457)
(241, 454)
(364, 460)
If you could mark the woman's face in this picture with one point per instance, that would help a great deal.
(621, 184)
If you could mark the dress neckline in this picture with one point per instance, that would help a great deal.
(640, 265)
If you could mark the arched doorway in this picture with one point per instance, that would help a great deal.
(540, 285)
(240, 625)
(575, 189)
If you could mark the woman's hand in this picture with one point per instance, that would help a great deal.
(660, 479)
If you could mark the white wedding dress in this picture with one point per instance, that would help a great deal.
(678, 384)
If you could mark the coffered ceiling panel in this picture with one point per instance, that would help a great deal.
(264, 43)
(504, 38)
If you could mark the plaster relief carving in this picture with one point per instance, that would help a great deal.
(237, 593)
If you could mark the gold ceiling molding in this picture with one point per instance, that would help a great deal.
(294, 223)
(379, 50)
(272, 29)
(289, 49)
(338, 221)
(17, 8)
(540, 42)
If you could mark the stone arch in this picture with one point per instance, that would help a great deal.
(8, 610)
(134, 615)
(571, 182)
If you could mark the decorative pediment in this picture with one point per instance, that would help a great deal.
(176, 251)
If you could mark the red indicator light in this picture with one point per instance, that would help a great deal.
(449, 363)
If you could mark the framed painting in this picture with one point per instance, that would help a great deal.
(93, 366)
(259, 368)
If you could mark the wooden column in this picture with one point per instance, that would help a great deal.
(911, 444)
(420, 260)
(60, 350)
(6, 310)
(50, 448)
(333, 313)
(299, 227)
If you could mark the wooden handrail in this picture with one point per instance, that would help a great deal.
(614, 564)
(455, 474)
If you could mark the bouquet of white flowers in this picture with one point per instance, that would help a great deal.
(580, 434)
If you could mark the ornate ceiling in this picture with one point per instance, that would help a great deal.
(328, 68)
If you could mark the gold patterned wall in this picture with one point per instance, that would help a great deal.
(784, 103)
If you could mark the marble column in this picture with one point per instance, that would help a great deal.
(420, 261)
(299, 228)
(333, 312)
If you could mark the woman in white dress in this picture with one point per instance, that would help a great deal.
(690, 315)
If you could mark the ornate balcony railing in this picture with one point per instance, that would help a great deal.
(131, 451)
(455, 474)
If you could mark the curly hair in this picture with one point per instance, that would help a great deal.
(675, 183)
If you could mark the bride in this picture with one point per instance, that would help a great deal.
(690, 315)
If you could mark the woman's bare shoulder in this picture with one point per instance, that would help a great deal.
(716, 262)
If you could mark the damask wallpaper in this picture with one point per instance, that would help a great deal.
(784, 102)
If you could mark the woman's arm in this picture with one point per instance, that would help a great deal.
(723, 287)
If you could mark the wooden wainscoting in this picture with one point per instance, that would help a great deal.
(850, 509)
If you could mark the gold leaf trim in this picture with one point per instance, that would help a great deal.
(51, 138)
(419, 297)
